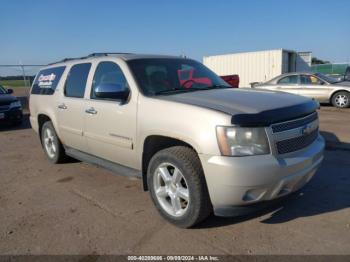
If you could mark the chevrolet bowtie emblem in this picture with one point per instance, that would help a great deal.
(307, 129)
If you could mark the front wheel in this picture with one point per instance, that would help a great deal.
(341, 99)
(177, 186)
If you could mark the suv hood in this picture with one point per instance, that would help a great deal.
(7, 99)
(249, 107)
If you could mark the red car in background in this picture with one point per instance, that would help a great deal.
(232, 80)
(189, 75)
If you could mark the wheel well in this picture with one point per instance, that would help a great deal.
(41, 120)
(341, 90)
(151, 146)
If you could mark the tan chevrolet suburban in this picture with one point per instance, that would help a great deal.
(198, 145)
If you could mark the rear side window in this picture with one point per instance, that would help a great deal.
(289, 80)
(47, 80)
(76, 80)
(309, 80)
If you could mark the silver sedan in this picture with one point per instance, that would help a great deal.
(318, 86)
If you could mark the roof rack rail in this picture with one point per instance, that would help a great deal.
(88, 56)
(107, 53)
(67, 59)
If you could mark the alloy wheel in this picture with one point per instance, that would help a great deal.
(171, 189)
(49, 143)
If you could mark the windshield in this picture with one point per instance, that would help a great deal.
(168, 75)
(328, 79)
(2, 90)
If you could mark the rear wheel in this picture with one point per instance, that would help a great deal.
(341, 99)
(51, 144)
(177, 186)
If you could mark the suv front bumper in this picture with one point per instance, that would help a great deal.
(236, 183)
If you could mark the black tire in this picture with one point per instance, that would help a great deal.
(59, 156)
(343, 95)
(187, 161)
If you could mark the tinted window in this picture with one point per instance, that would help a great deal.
(47, 80)
(108, 73)
(289, 80)
(160, 76)
(76, 80)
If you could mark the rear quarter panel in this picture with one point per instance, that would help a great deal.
(46, 104)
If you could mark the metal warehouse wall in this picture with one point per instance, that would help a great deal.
(251, 66)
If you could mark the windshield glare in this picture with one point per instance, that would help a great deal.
(171, 75)
(326, 78)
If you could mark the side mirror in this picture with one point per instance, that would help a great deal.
(254, 84)
(9, 91)
(112, 91)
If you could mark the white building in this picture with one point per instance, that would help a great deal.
(259, 66)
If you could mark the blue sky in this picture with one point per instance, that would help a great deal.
(43, 31)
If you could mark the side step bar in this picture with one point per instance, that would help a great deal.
(115, 168)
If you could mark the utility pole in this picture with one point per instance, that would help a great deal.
(24, 74)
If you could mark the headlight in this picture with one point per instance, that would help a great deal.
(242, 141)
(15, 104)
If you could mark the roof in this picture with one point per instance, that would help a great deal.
(297, 73)
(123, 56)
(275, 79)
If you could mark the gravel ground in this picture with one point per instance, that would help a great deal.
(77, 208)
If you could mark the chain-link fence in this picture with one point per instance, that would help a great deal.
(13, 76)
(331, 69)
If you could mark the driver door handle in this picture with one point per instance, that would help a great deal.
(62, 106)
(91, 111)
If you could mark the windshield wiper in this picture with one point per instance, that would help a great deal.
(175, 90)
(192, 89)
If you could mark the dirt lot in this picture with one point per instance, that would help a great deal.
(77, 208)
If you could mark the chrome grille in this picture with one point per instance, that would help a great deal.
(294, 123)
(294, 135)
(297, 143)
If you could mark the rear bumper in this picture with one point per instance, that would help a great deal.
(12, 115)
(235, 183)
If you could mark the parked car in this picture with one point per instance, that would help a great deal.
(347, 74)
(232, 80)
(317, 86)
(341, 76)
(10, 107)
(198, 149)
